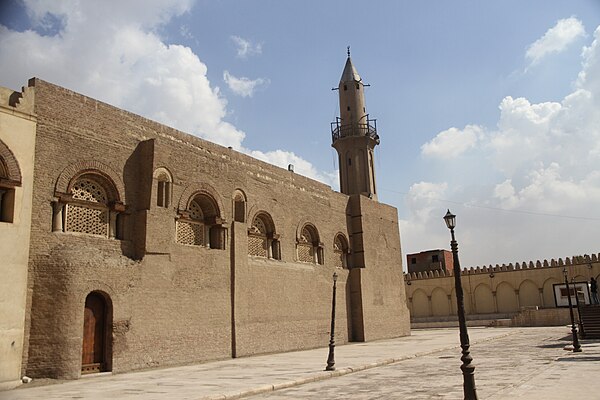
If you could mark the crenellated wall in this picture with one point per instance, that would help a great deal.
(505, 289)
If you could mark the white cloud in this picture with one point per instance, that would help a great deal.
(282, 158)
(243, 86)
(556, 39)
(452, 142)
(245, 48)
(110, 50)
(128, 64)
(541, 163)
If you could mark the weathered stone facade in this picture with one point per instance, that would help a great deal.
(190, 251)
(17, 141)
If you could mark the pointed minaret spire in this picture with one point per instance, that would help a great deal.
(354, 136)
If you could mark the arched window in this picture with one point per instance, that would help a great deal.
(340, 251)
(88, 211)
(10, 177)
(201, 224)
(262, 239)
(164, 184)
(309, 248)
(239, 206)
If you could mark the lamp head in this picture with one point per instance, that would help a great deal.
(335, 276)
(450, 220)
(565, 271)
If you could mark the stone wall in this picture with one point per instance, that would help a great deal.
(17, 141)
(504, 289)
(173, 303)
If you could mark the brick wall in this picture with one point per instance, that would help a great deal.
(171, 303)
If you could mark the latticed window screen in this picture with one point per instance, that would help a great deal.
(93, 219)
(257, 239)
(86, 220)
(88, 189)
(305, 253)
(196, 211)
(305, 246)
(190, 233)
(338, 250)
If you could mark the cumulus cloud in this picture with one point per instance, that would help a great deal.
(556, 39)
(131, 66)
(128, 66)
(452, 142)
(245, 47)
(282, 158)
(538, 175)
(243, 86)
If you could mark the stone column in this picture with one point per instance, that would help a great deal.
(112, 224)
(57, 216)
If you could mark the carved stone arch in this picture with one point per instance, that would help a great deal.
(506, 297)
(341, 250)
(116, 188)
(163, 173)
(420, 304)
(529, 294)
(309, 249)
(548, 291)
(483, 299)
(267, 220)
(342, 237)
(239, 208)
(195, 189)
(304, 222)
(9, 166)
(439, 302)
(237, 193)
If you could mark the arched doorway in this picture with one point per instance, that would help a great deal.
(97, 319)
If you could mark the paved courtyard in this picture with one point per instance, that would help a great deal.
(511, 363)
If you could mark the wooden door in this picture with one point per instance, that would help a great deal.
(94, 333)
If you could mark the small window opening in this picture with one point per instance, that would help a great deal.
(349, 161)
(435, 258)
(163, 194)
(348, 108)
(413, 260)
(345, 87)
(7, 204)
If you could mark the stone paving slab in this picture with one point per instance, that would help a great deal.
(428, 351)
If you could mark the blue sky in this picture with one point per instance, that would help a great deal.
(490, 109)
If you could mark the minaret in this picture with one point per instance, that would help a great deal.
(354, 136)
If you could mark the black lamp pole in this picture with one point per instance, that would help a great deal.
(331, 357)
(467, 368)
(576, 346)
(579, 321)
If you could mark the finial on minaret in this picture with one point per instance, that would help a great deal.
(348, 51)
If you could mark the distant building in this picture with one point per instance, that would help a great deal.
(430, 260)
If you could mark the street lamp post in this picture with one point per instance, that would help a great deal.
(467, 368)
(580, 322)
(576, 346)
(331, 357)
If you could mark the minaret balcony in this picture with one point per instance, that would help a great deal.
(340, 131)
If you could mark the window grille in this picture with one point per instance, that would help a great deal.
(91, 218)
(190, 233)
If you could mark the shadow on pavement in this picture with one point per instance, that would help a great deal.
(578, 359)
